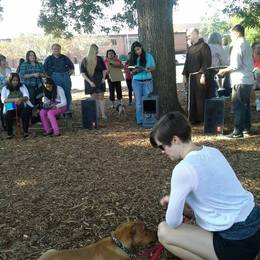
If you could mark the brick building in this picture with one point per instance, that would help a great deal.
(121, 43)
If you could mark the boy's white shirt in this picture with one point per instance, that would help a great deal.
(207, 183)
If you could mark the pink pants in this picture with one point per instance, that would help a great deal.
(49, 116)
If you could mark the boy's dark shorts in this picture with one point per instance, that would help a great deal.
(245, 249)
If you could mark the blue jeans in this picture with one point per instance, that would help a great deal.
(63, 80)
(241, 107)
(141, 89)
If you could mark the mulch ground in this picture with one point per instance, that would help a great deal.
(70, 191)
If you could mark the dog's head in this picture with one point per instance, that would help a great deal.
(120, 108)
(135, 234)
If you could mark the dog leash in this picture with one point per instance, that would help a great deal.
(155, 252)
(125, 249)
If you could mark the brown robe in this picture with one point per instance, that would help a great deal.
(198, 59)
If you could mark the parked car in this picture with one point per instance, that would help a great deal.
(180, 59)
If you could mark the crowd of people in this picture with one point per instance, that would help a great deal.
(208, 63)
(205, 67)
(35, 86)
(47, 87)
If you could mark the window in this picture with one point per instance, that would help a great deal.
(114, 42)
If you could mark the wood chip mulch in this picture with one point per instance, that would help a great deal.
(70, 191)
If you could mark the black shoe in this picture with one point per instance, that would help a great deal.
(9, 136)
(25, 135)
(247, 132)
(56, 135)
(235, 136)
(47, 134)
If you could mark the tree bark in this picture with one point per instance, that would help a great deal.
(156, 34)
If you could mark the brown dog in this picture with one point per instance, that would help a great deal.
(129, 235)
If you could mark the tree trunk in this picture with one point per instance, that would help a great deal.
(156, 35)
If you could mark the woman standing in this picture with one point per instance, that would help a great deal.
(217, 60)
(142, 82)
(114, 76)
(93, 70)
(217, 51)
(31, 73)
(15, 98)
(4, 74)
(54, 103)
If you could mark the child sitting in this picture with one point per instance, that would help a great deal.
(54, 103)
(15, 98)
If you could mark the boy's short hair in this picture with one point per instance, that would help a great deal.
(240, 29)
(170, 125)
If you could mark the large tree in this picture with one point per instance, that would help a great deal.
(247, 10)
(154, 19)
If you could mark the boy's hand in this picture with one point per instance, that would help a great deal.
(187, 212)
(165, 201)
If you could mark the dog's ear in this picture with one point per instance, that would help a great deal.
(133, 230)
(135, 227)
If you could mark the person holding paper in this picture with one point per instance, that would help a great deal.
(142, 64)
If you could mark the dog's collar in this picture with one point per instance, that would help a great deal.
(120, 244)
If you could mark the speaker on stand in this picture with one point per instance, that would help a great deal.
(214, 116)
(89, 114)
(150, 111)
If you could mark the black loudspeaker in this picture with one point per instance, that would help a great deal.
(214, 116)
(150, 111)
(89, 114)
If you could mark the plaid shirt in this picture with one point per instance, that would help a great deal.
(28, 68)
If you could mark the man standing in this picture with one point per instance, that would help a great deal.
(198, 59)
(59, 67)
(242, 80)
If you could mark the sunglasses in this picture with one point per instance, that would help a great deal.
(161, 147)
